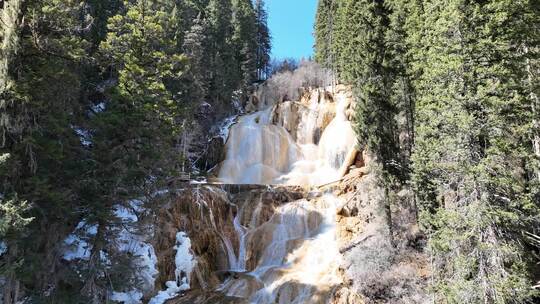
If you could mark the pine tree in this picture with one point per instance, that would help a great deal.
(469, 154)
(263, 40)
(363, 60)
(40, 105)
(359, 54)
(324, 31)
(458, 78)
(399, 61)
(92, 96)
(341, 35)
(244, 39)
(195, 45)
(222, 60)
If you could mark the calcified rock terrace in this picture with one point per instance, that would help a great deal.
(293, 257)
(275, 242)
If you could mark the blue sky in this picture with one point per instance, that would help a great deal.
(291, 25)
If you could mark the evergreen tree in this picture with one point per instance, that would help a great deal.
(469, 160)
(398, 62)
(324, 31)
(263, 40)
(92, 97)
(457, 78)
(361, 57)
(44, 52)
(222, 61)
(195, 45)
(244, 39)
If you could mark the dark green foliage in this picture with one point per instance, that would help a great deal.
(264, 43)
(93, 98)
(324, 24)
(360, 55)
(448, 86)
(472, 150)
(194, 47)
(244, 39)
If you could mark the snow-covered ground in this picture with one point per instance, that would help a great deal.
(129, 240)
(138, 247)
(84, 136)
(76, 244)
(3, 248)
(100, 107)
(185, 262)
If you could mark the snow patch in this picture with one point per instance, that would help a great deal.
(185, 262)
(128, 240)
(143, 253)
(3, 248)
(77, 246)
(198, 182)
(130, 297)
(129, 213)
(84, 136)
(184, 259)
(100, 107)
(223, 127)
(160, 193)
(163, 296)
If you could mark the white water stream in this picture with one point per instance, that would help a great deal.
(261, 152)
(296, 255)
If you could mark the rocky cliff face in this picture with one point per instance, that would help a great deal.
(285, 252)
(291, 238)
(207, 214)
(305, 142)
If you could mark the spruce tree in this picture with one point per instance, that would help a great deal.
(244, 40)
(469, 156)
(92, 97)
(195, 46)
(222, 61)
(398, 62)
(363, 60)
(263, 40)
(40, 108)
(324, 30)
(458, 78)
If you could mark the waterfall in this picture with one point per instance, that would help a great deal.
(259, 151)
(293, 256)
(297, 255)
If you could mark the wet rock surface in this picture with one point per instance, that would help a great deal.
(206, 213)
(305, 142)
(336, 242)
(381, 263)
(369, 268)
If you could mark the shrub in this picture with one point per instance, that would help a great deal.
(289, 82)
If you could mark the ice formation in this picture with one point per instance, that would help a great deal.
(185, 262)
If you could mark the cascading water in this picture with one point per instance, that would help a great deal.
(324, 162)
(240, 264)
(296, 256)
(293, 256)
(257, 151)
(261, 152)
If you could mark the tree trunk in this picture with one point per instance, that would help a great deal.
(531, 79)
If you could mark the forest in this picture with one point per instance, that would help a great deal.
(94, 99)
(447, 96)
(107, 103)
